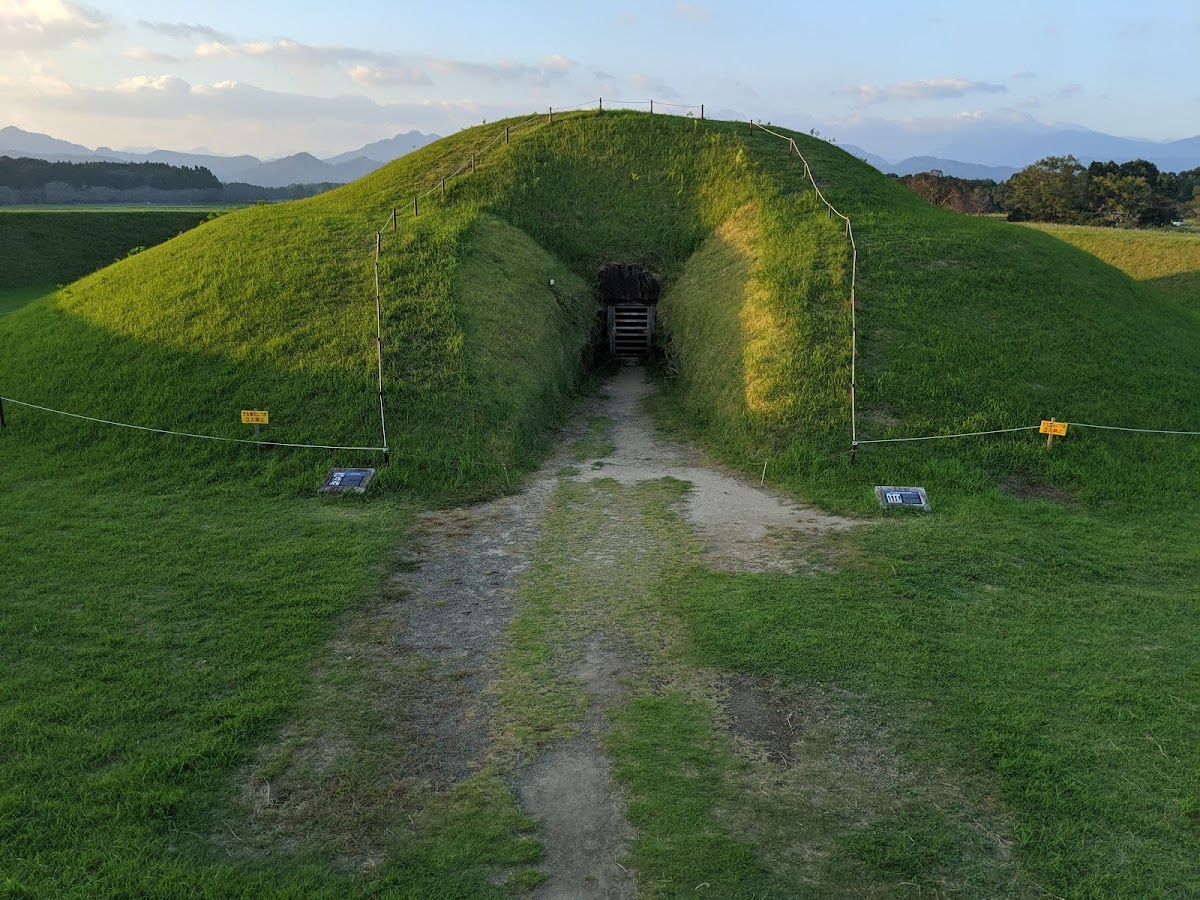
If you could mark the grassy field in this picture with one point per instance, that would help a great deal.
(1166, 260)
(1034, 639)
(40, 247)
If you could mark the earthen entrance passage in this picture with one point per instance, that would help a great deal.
(630, 294)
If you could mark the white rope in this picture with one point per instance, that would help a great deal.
(206, 437)
(1138, 430)
(939, 437)
(854, 441)
(942, 437)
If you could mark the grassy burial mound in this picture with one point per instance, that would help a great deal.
(1034, 639)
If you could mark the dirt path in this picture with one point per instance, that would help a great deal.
(744, 527)
(523, 641)
(465, 592)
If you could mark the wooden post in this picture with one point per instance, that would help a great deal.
(472, 162)
(550, 116)
(601, 104)
(443, 187)
(414, 207)
(506, 134)
(393, 218)
(752, 126)
(651, 107)
(701, 112)
(2, 422)
(1050, 437)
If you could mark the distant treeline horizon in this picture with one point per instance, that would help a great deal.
(1061, 189)
(27, 181)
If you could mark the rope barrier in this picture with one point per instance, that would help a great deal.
(1138, 430)
(206, 437)
(808, 172)
(942, 437)
(938, 437)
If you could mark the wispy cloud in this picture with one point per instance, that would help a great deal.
(927, 89)
(290, 51)
(373, 68)
(690, 12)
(186, 32)
(48, 23)
(1069, 90)
(651, 85)
(734, 84)
(382, 76)
(550, 68)
(169, 97)
(1023, 76)
(938, 88)
(146, 55)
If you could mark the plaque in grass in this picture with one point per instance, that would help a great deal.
(347, 481)
(902, 497)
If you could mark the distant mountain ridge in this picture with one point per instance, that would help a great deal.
(299, 168)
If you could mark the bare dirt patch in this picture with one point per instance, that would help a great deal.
(1025, 488)
(570, 790)
(744, 527)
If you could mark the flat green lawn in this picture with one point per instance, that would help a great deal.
(1168, 260)
(1051, 652)
(153, 628)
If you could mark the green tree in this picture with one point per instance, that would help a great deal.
(1051, 190)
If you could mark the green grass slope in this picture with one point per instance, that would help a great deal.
(1038, 632)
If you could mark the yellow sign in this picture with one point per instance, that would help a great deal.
(1052, 427)
(255, 417)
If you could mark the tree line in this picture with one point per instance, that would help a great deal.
(1061, 189)
(25, 181)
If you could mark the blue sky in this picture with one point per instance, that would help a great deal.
(272, 78)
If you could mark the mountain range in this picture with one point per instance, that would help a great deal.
(299, 168)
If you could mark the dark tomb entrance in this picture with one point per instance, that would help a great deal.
(630, 294)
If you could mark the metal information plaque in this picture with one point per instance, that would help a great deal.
(902, 497)
(347, 481)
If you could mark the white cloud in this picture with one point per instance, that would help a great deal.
(557, 64)
(145, 55)
(551, 68)
(651, 85)
(35, 87)
(372, 69)
(375, 76)
(40, 24)
(186, 32)
(927, 89)
(290, 51)
(866, 93)
(162, 83)
(938, 88)
(165, 97)
(691, 12)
